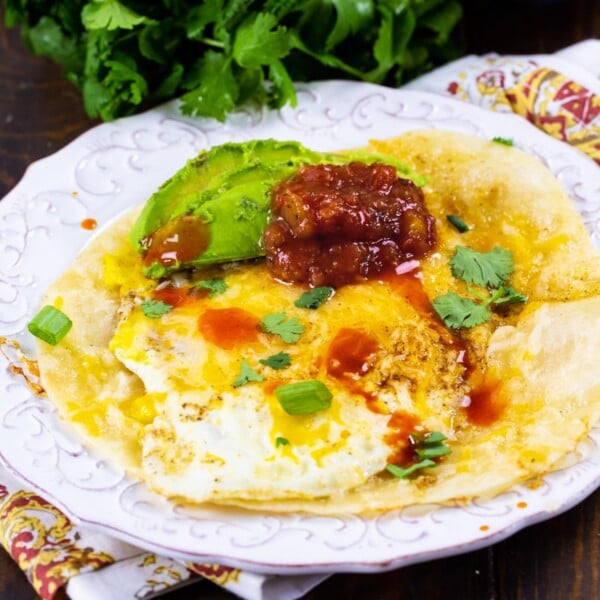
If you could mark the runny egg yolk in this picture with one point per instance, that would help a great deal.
(307, 430)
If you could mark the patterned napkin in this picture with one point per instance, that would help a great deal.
(558, 93)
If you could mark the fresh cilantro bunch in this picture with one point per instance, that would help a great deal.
(220, 54)
(488, 270)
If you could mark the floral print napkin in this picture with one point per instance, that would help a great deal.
(558, 93)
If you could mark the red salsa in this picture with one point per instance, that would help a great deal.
(336, 224)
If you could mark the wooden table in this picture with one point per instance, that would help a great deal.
(558, 559)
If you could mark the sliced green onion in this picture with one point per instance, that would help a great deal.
(50, 325)
(503, 140)
(303, 397)
(435, 437)
(433, 451)
(458, 223)
(281, 441)
(401, 473)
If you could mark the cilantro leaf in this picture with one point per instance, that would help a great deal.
(198, 17)
(217, 93)
(281, 441)
(278, 361)
(215, 286)
(259, 42)
(487, 269)
(154, 309)
(315, 297)
(282, 89)
(507, 293)
(109, 15)
(458, 312)
(226, 53)
(48, 39)
(350, 18)
(247, 374)
(289, 330)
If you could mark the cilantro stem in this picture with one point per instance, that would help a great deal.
(327, 59)
(211, 42)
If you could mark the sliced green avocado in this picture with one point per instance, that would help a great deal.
(228, 188)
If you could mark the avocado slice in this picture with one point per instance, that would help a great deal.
(228, 189)
(215, 208)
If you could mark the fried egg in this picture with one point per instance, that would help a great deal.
(368, 344)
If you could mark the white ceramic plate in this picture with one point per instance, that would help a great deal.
(116, 165)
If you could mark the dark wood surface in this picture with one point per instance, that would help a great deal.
(557, 559)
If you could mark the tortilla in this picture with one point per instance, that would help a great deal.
(538, 362)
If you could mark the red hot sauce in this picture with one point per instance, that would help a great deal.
(180, 240)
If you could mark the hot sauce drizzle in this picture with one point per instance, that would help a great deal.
(228, 327)
(486, 405)
(172, 295)
(352, 353)
(401, 426)
(180, 240)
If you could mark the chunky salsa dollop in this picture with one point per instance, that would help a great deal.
(335, 224)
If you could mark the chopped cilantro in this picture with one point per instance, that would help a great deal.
(278, 361)
(315, 297)
(506, 293)
(281, 441)
(110, 15)
(503, 140)
(215, 286)
(154, 309)
(289, 330)
(457, 223)
(487, 269)
(155, 271)
(458, 312)
(247, 374)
